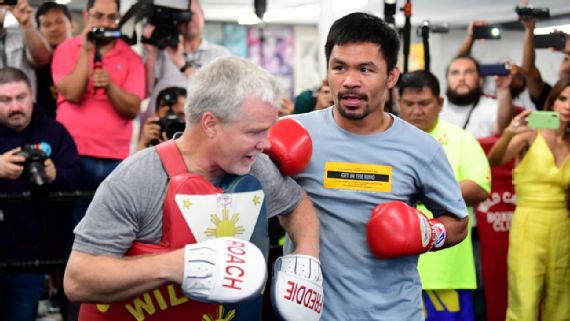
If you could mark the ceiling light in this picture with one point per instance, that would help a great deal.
(249, 19)
(303, 11)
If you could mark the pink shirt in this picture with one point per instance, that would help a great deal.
(97, 128)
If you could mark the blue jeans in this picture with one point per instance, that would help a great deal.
(94, 172)
(19, 295)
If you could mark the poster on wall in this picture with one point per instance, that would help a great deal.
(235, 39)
(272, 48)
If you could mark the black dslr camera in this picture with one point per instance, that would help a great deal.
(36, 155)
(165, 21)
(170, 123)
(527, 12)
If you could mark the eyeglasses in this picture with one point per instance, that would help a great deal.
(100, 17)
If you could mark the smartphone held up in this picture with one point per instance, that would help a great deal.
(544, 119)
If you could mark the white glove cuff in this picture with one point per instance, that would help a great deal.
(304, 266)
(224, 270)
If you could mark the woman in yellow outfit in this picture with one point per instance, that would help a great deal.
(539, 240)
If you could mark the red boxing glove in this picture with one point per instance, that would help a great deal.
(291, 146)
(396, 229)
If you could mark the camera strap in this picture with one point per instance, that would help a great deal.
(469, 114)
(3, 49)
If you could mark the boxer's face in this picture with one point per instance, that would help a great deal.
(359, 79)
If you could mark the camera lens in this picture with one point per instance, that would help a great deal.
(174, 127)
(37, 174)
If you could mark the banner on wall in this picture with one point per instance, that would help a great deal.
(272, 47)
(494, 217)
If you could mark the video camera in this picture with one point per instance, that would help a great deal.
(527, 12)
(165, 20)
(35, 155)
(102, 35)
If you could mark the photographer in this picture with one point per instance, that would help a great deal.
(169, 118)
(518, 83)
(100, 81)
(191, 53)
(55, 24)
(29, 230)
(22, 47)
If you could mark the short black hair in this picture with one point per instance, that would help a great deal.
(362, 27)
(10, 75)
(48, 6)
(168, 94)
(464, 56)
(417, 80)
(90, 4)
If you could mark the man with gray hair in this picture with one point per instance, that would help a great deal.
(183, 222)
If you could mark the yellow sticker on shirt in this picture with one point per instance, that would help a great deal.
(359, 177)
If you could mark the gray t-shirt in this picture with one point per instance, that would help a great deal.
(127, 206)
(349, 175)
(15, 54)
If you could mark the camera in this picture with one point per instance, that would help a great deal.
(35, 155)
(171, 124)
(165, 21)
(556, 40)
(494, 70)
(532, 12)
(103, 34)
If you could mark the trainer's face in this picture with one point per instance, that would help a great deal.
(462, 76)
(359, 80)
(55, 27)
(242, 140)
(420, 108)
(16, 105)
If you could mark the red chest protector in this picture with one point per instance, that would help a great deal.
(167, 302)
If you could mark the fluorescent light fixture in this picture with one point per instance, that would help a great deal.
(344, 5)
(63, 1)
(310, 10)
(248, 19)
(303, 11)
(546, 30)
